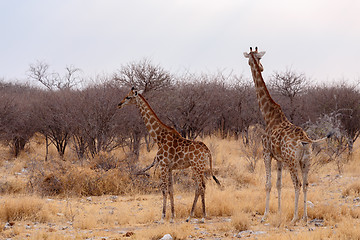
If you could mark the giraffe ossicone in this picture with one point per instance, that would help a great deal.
(174, 152)
(282, 140)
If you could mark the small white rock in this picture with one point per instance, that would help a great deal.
(166, 237)
(245, 233)
(310, 204)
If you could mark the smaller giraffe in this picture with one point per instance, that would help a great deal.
(282, 140)
(174, 152)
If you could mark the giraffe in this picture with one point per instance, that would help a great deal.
(174, 152)
(282, 140)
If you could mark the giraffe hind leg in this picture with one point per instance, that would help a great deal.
(164, 192)
(297, 186)
(305, 167)
(200, 191)
(197, 194)
(203, 205)
(164, 186)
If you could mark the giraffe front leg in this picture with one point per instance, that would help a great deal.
(164, 192)
(267, 161)
(305, 217)
(164, 189)
(171, 196)
(278, 184)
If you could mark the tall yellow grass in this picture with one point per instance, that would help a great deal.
(241, 198)
(22, 208)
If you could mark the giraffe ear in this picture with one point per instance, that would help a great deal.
(260, 54)
(246, 55)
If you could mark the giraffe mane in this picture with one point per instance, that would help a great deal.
(157, 118)
(262, 79)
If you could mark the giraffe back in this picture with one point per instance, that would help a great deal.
(179, 153)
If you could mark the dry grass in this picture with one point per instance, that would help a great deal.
(95, 178)
(12, 185)
(348, 229)
(24, 208)
(221, 202)
(181, 231)
(28, 182)
(240, 221)
(352, 190)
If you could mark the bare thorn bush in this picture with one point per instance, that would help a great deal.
(252, 147)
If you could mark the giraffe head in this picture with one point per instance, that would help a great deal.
(130, 98)
(254, 58)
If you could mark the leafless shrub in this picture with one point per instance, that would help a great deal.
(144, 75)
(289, 85)
(53, 119)
(39, 72)
(335, 149)
(252, 150)
(95, 120)
(340, 100)
(16, 118)
(104, 162)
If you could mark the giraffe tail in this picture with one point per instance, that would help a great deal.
(216, 180)
(329, 135)
(211, 171)
(316, 144)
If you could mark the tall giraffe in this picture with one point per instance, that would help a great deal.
(174, 152)
(283, 141)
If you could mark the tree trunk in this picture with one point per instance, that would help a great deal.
(19, 145)
(46, 147)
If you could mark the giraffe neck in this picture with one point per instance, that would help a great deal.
(152, 122)
(270, 110)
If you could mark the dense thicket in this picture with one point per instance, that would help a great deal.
(87, 119)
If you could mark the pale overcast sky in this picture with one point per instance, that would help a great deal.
(320, 38)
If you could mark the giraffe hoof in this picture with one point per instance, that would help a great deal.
(171, 220)
(202, 220)
(293, 221)
(304, 219)
(161, 221)
(187, 220)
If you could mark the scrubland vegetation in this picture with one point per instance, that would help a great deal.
(71, 162)
(61, 200)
